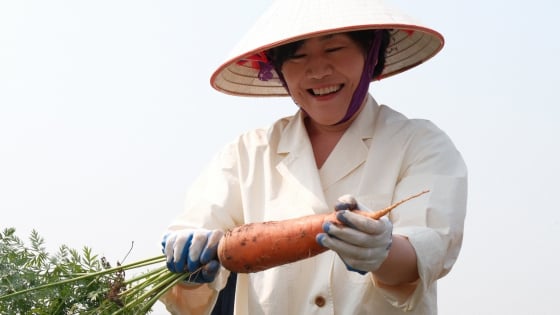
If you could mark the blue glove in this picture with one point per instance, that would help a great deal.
(194, 251)
(362, 243)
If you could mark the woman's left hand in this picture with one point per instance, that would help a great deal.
(362, 243)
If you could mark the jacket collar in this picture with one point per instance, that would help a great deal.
(299, 161)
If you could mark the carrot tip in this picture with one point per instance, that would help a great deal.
(378, 214)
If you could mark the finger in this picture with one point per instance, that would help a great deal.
(164, 242)
(167, 244)
(333, 244)
(342, 248)
(199, 239)
(174, 248)
(346, 202)
(362, 223)
(210, 251)
(320, 238)
(348, 235)
(168, 251)
(210, 270)
(181, 250)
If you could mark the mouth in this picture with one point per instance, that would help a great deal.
(325, 90)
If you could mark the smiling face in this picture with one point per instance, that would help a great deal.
(322, 75)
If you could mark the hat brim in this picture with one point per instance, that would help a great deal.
(410, 43)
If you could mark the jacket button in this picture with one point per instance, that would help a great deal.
(320, 301)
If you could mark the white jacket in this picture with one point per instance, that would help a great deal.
(271, 175)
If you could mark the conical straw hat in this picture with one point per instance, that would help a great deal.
(287, 21)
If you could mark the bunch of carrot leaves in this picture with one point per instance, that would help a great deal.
(32, 281)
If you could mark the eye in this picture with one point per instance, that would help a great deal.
(334, 49)
(297, 56)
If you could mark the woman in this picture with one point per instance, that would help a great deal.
(323, 54)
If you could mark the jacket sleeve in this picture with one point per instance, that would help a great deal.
(433, 223)
(212, 202)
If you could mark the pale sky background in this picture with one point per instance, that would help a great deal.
(107, 115)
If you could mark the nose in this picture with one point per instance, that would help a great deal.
(318, 68)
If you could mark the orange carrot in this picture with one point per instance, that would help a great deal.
(255, 247)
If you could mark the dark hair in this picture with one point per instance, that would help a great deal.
(278, 55)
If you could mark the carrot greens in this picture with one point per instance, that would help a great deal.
(32, 281)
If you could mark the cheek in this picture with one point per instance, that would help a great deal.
(352, 70)
(359, 69)
(292, 80)
(292, 74)
(297, 96)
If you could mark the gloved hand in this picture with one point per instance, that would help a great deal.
(195, 251)
(362, 243)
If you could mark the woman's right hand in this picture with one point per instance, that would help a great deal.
(194, 251)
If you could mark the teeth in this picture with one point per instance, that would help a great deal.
(326, 90)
